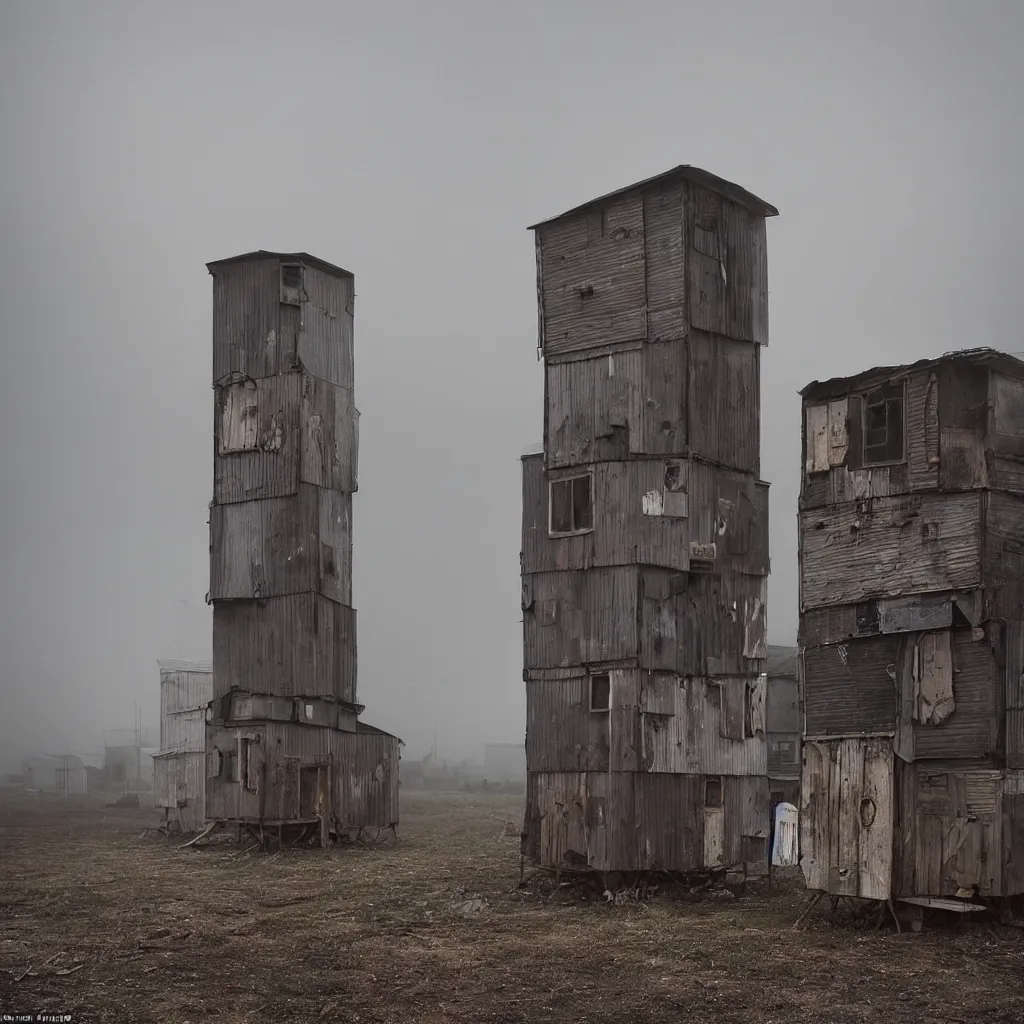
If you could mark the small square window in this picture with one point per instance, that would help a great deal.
(600, 693)
(571, 505)
(884, 425)
(712, 792)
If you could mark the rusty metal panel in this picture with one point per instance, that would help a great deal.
(851, 688)
(890, 547)
(665, 263)
(292, 646)
(723, 400)
(593, 284)
(727, 259)
(562, 733)
(280, 546)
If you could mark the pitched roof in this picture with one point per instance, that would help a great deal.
(682, 172)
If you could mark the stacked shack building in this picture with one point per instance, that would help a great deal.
(912, 631)
(645, 533)
(284, 744)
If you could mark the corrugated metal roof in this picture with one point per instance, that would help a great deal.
(781, 661)
(365, 727)
(288, 257)
(990, 357)
(684, 172)
(178, 665)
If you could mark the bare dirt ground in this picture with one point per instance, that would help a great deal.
(108, 923)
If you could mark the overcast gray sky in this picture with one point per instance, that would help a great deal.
(412, 143)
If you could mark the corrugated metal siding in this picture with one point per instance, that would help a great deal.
(254, 334)
(691, 738)
(325, 344)
(699, 623)
(720, 508)
(299, 645)
(562, 733)
(1003, 538)
(723, 397)
(972, 729)
(728, 268)
(578, 618)
(308, 431)
(615, 405)
(366, 765)
(272, 470)
(601, 250)
(631, 821)
(889, 547)
(851, 687)
(281, 546)
(922, 418)
(364, 783)
(665, 264)
(1006, 396)
(1014, 683)
(247, 335)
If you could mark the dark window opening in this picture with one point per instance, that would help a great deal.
(714, 695)
(600, 693)
(291, 283)
(712, 792)
(884, 425)
(785, 750)
(572, 505)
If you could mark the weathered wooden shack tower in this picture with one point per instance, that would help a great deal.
(284, 744)
(912, 631)
(645, 533)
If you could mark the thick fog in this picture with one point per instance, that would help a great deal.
(412, 143)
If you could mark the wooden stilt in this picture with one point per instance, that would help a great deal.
(811, 904)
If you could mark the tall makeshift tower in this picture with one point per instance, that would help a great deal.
(284, 743)
(912, 632)
(645, 533)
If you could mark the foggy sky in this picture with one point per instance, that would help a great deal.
(412, 143)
